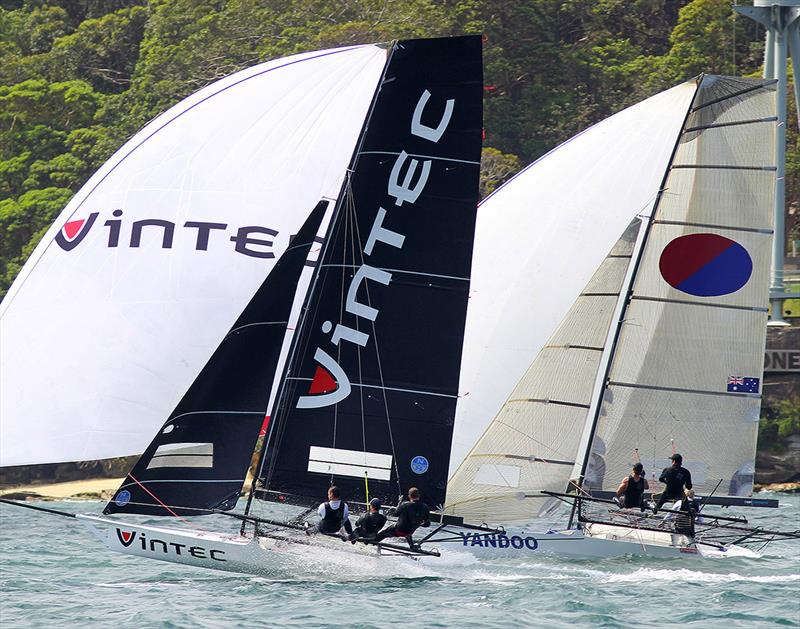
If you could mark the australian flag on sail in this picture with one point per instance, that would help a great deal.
(737, 384)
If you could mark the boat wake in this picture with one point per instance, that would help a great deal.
(646, 575)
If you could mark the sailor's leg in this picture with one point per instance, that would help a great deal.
(387, 532)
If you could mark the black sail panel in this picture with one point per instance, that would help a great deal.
(198, 461)
(370, 395)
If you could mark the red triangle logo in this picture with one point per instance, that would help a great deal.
(323, 382)
(72, 228)
(126, 536)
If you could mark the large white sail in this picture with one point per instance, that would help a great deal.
(532, 443)
(147, 267)
(686, 371)
(541, 236)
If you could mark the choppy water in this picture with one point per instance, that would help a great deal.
(53, 574)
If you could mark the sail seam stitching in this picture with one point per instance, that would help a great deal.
(547, 401)
(695, 303)
(731, 124)
(723, 167)
(377, 386)
(171, 419)
(592, 348)
(652, 387)
(754, 230)
(447, 277)
(531, 458)
(242, 327)
(443, 159)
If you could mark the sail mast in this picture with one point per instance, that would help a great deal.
(594, 414)
(282, 386)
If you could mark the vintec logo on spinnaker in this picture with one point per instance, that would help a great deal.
(251, 240)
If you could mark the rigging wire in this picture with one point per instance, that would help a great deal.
(382, 384)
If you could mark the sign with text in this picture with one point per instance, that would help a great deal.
(782, 360)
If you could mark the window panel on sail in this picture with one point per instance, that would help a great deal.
(183, 455)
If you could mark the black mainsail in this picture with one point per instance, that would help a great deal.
(198, 460)
(369, 395)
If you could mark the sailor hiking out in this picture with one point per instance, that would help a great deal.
(676, 477)
(334, 514)
(630, 493)
(369, 524)
(411, 514)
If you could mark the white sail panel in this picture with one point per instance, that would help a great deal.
(148, 266)
(540, 238)
(714, 195)
(667, 355)
(535, 436)
(686, 372)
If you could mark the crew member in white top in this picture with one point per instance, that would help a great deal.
(334, 514)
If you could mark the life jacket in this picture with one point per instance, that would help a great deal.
(333, 519)
(634, 492)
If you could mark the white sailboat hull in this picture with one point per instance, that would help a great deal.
(293, 553)
(595, 542)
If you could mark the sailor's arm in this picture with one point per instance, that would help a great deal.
(688, 482)
(427, 520)
(623, 486)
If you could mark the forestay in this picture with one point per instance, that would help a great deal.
(687, 368)
(532, 443)
(149, 265)
(371, 388)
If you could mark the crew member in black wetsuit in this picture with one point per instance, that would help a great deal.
(368, 525)
(411, 514)
(630, 493)
(333, 515)
(676, 478)
(688, 514)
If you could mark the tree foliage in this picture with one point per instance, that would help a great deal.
(779, 421)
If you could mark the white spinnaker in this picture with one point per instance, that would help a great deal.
(679, 346)
(98, 343)
(532, 443)
(542, 235)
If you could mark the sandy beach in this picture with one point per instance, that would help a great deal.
(91, 489)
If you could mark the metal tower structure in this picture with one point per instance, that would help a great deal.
(779, 17)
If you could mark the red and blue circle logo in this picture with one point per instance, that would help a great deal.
(705, 265)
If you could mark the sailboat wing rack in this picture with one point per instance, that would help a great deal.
(718, 501)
